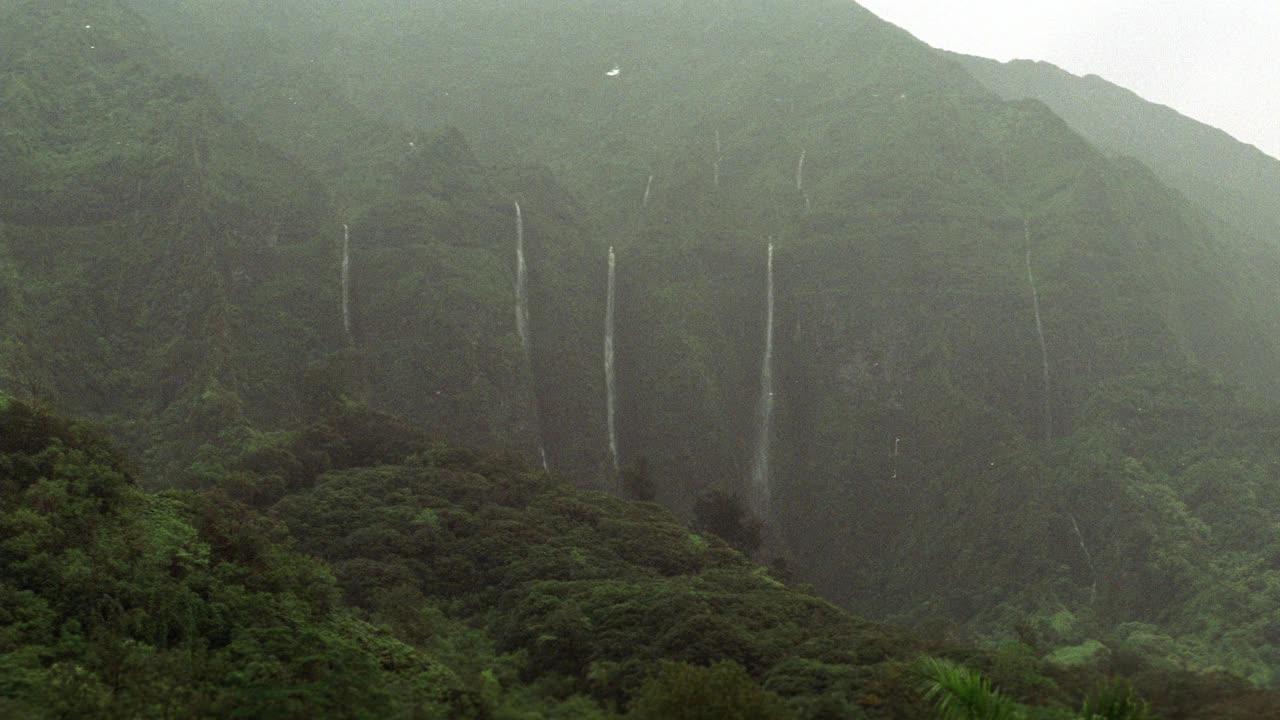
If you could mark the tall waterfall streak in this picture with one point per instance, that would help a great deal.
(647, 187)
(346, 281)
(760, 479)
(1044, 349)
(716, 165)
(609, 379)
(800, 174)
(522, 320)
(522, 285)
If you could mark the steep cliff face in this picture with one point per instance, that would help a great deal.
(961, 281)
(956, 272)
(166, 271)
(149, 234)
(434, 298)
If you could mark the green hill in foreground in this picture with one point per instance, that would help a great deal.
(404, 580)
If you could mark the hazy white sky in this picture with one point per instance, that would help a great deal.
(1217, 61)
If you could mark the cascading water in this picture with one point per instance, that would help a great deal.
(647, 187)
(808, 204)
(609, 382)
(346, 281)
(522, 286)
(761, 493)
(522, 318)
(716, 165)
(1044, 348)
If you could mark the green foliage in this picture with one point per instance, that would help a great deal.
(958, 693)
(1087, 653)
(123, 604)
(1114, 701)
(724, 514)
(723, 691)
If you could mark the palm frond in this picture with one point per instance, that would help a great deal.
(958, 693)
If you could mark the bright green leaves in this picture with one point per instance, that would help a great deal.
(958, 693)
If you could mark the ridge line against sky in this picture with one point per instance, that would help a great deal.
(1212, 60)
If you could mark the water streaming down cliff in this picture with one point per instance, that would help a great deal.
(808, 204)
(346, 281)
(761, 493)
(1044, 348)
(647, 187)
(609, 382)
(522, 286)
(522, 320)
(716, 164)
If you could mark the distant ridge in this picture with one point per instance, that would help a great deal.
(1234, 180)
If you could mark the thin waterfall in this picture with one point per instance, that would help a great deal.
(647, 187)
(716, 165)
(522, 321)
(346, 281)
(609, 380)
(522, 285)
(800, 173)
(761, 493)
(1093, 591)
(1044, 348)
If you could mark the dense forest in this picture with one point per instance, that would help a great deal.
(605, 359)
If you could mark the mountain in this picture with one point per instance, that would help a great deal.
(183, 277)
(1229, 178)
(144, 233)
(1017, 384)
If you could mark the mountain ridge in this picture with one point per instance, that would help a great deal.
(1229, 176)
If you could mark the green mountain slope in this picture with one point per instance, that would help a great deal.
(1231, 179)
(898, 141)
(145, 235)
(211, 306)
(973, 303)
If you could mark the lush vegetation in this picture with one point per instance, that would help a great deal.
(1025, 392)
(447, 584)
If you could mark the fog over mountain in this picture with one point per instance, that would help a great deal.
(1206, 59)
(600, 359)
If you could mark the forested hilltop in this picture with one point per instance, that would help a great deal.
(799, 278)
(364, 572)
